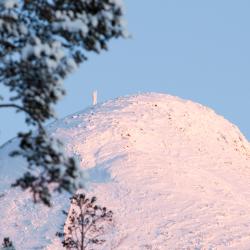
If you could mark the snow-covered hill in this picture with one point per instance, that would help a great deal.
(175, 174)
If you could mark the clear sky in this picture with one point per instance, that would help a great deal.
(198, 50)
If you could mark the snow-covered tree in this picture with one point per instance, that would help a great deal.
(41, 42)
(85, 225)
(7, 244)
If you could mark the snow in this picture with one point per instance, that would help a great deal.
(10, 4)
(23, 29)
(119, 3)
(175, 174)
(69, 24)
(71, 64)
(54, 52)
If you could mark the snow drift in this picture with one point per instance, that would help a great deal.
(175, 174)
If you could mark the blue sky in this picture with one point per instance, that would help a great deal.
(198, 50)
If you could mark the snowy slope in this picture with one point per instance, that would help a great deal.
(175, 174)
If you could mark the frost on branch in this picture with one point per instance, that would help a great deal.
(41, 42)
(56, 171)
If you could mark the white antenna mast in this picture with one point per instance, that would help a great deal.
(94, 97)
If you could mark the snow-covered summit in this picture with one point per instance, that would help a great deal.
(175, 174)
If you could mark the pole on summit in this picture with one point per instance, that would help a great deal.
(94, 97)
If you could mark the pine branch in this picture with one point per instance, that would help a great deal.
(12, 105)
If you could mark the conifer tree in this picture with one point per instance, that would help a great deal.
(41, 43)
(7, 244)
(85, 224)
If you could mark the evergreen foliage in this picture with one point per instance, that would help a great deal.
(41, 42)
(85, 225)
(7, 244)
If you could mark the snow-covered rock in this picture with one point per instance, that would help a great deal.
(175, 174)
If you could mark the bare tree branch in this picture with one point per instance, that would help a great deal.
(12, 105)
